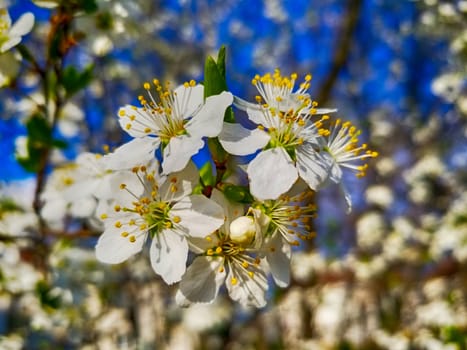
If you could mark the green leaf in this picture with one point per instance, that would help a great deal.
(237, 193)
(39, 139)
(74, 80)
(46, 296)
(60, 144)
(89, 6)
(39, 131)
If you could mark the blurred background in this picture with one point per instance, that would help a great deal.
(390, 275)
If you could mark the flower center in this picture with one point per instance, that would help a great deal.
(342, 145)
(291, 216)
(164, 113)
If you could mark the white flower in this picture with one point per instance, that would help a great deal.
(380, 195)
(222, 259)
(76, 188)
(166, 212)
(341, 143)
(370, 230)
(11, 35)
(288, 140)
(56, 206)
(277, 91)
(286, 219)
(177, 121)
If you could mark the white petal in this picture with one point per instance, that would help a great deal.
(54, 209)
(179, 151)
(202, 280)
(347, 197)
(335, 173)
(180, 184)
(138, 122)
(83, 208)
(23, 25)
(243, 105)
(320, 111)
(249, 291)
(278, 259)
(188, 100)
(271, 174)
(313, 167)
(199, 215)
(208, 121)
(257, 116)
(113, 248)
(138, 151)
(68, 128)
(11, 42)
(168, 254)
(232, 210)
(241, 141)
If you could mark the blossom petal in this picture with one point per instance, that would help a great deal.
(258, 116)
(23, 25)
(179, 184)
(179, 151)
(347, 197)
(313, 167)
(202, 280)
(278, 259)
(320, 111)
(83, 207)
(139, 122)
(232, 210)
(113, 248)
(243, 105)
(168, 254)
(11, 42)
(199, 215)
(248, 290)
(54, 209)
(271, 174)
(190, 98)
(138, 151)
(208, 121)
(241, 141)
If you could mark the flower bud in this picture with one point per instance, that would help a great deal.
(242, 230)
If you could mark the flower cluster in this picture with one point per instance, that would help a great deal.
(238, 230)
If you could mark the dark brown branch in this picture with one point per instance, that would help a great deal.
(342, 50)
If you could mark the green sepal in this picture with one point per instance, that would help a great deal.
(219, 155)
(215, 81)
(237, 193)
(221, 62)
(74, 80)
(198, 189)
(206, 173)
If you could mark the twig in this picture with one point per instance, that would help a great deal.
(342, 50)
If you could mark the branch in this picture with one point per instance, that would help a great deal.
(342, 50)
